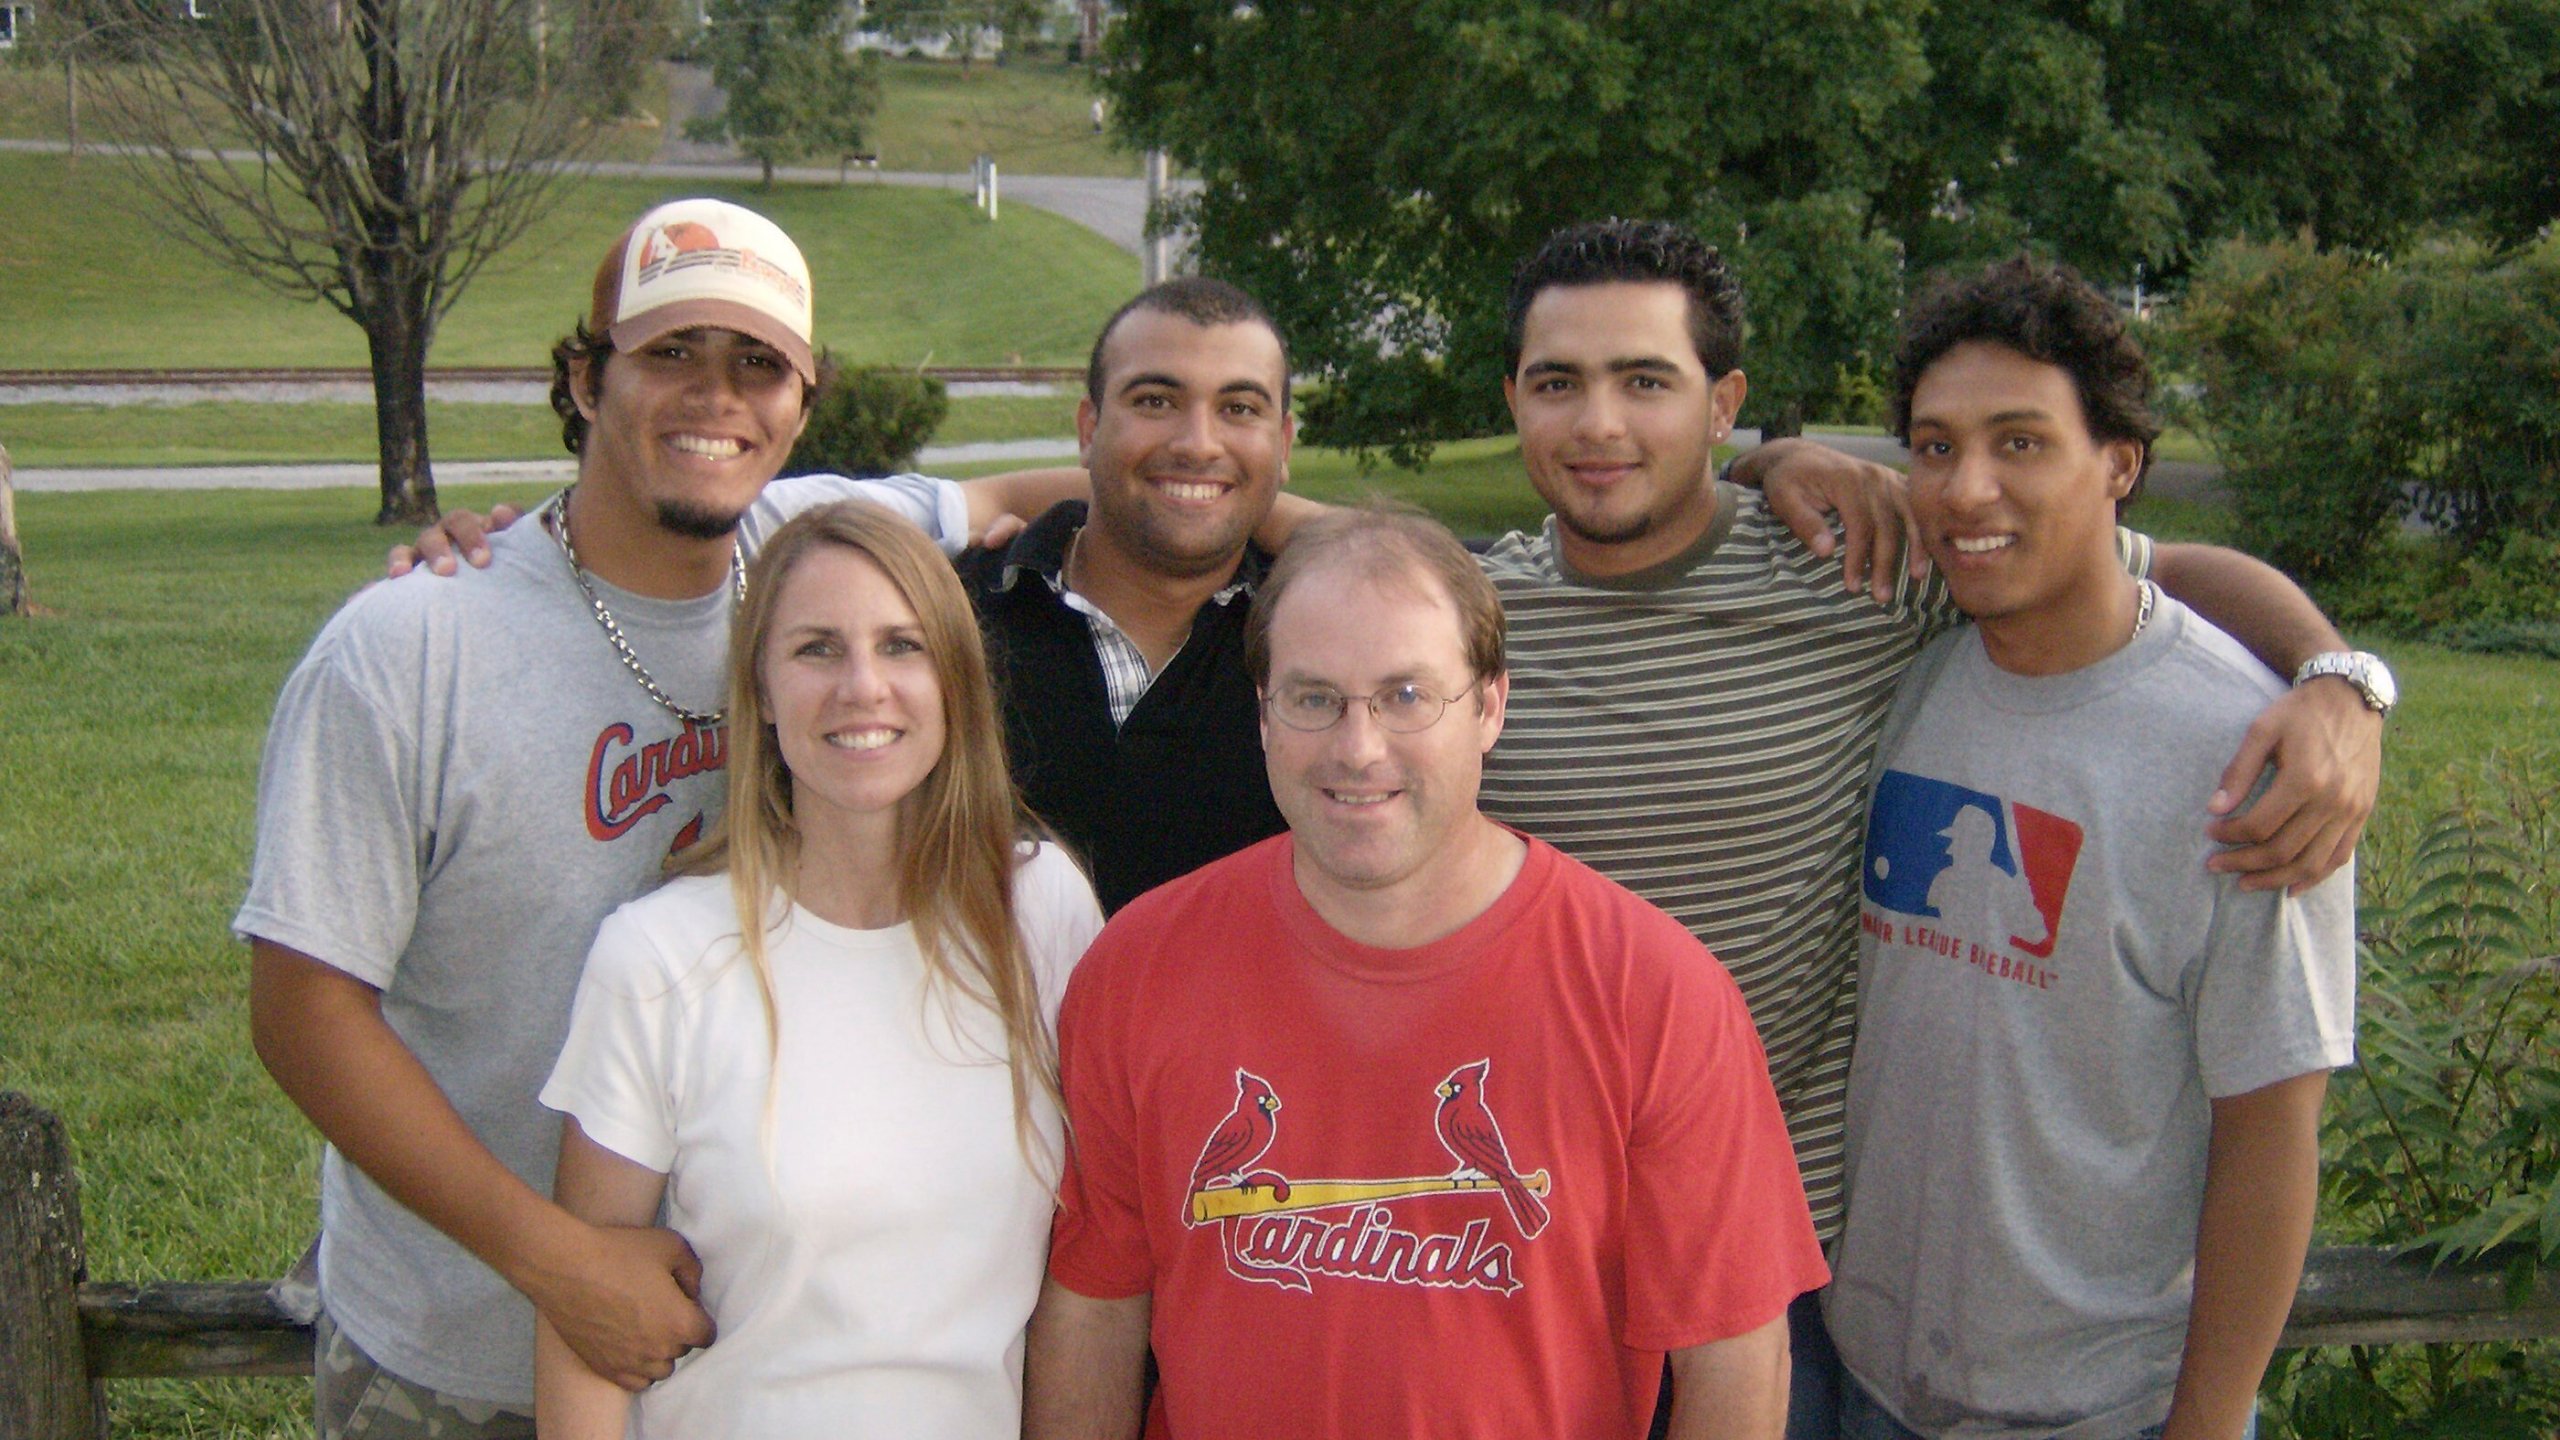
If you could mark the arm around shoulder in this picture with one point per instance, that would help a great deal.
(2324, 741)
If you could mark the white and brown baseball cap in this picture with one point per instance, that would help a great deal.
(694, 263)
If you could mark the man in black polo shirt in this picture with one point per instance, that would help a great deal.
(1117, 630)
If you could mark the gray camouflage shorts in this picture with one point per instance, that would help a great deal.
(356, 1399)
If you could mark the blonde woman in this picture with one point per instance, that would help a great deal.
(825, 1048)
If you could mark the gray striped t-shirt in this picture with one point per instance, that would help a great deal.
(1700, 733)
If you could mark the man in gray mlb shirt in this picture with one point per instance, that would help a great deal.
(463, 777)
(2083, 1137)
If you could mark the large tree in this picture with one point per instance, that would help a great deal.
(2131, 135)
(1374, 173)
(790, 91)
(370, 154)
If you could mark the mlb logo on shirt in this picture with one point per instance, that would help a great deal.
(1987, 870)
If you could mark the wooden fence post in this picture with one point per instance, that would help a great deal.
(13, 568)
(45, 1389)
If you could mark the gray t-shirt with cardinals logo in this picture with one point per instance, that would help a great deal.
(461, 781)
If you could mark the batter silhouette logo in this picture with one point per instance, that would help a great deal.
(1276, 1230)
(1977, 878)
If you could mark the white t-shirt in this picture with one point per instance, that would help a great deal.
(871, 1235)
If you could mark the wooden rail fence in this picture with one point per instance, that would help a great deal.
(63, 1335)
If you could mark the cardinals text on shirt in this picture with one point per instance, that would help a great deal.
(1428, 1229)
(628, 782)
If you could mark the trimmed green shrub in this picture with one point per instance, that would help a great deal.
(870, 422)
(2292, 348)
(2344, 392)
(2481, 372)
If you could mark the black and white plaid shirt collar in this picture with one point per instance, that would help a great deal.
(1125, 676)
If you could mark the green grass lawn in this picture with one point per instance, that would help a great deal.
(134, 712)
(904, 277)
(1034, 116)
(228, 433)
(245, 433)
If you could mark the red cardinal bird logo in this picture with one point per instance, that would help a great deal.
(1241, 1138)
(1468, 1131)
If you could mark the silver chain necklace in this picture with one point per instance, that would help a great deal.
(557, 520)
(2141, 610)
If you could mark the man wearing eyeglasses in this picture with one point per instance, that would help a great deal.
(1402, 1122)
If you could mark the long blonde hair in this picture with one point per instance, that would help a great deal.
(957, 830)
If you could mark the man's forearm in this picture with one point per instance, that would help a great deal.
(2261, 1186)
(1732, 1389)
(1023, 494)
(320, 1032)
(1084, 1372)
(2251, 601)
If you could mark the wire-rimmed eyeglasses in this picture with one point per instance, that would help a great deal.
(1405, 708)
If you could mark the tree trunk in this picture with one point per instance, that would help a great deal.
(396, 276)
(1785, 423)
(13, 566)
(400, 416)
(767, 162)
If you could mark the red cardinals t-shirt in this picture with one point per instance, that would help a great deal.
(1473, 1188)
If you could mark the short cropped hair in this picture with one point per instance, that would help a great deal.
(1202, 301)
(1384, 542)
(596, 348)
(2047, 313)
(1603, 252)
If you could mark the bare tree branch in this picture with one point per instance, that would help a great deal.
(368, 154)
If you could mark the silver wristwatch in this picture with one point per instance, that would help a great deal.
(2364, 671)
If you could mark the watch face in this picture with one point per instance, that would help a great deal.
(2374, 678)
(2366, 672)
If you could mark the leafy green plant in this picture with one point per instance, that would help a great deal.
(2445, 1137)
(2290, 347)
(2345, 391)
(870, 422)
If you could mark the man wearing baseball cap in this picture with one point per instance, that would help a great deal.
(461, 780)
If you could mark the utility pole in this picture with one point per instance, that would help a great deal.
(1155, 249)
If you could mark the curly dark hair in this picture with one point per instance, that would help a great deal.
(1202, 301)
(1601, 252)
(596, 348)
(2047, 313)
